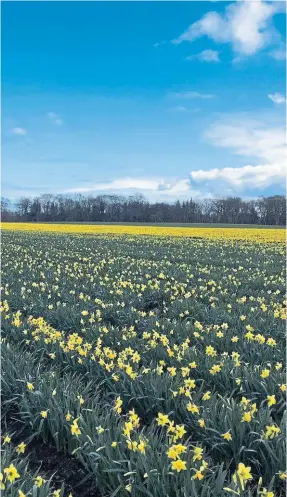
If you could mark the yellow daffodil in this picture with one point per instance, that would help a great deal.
(11, 473)
(21, 448)
(178, 465)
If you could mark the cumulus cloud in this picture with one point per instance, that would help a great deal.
(179, 187)
(55, 118)
(206, 56)
(152, 188)
(250, 139)
(277, 98)
(246, 177)
(19, 131)
(246, 25)
(121, 184)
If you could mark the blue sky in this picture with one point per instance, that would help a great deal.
(169, 99)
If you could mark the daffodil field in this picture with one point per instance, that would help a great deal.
(154, 357)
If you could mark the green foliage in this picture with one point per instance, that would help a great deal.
(191, 329)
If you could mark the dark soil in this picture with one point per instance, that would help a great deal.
(64, 469)
(43, 457)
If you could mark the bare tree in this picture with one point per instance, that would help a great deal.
(135, 208)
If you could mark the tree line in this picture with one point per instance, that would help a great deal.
(113, 208)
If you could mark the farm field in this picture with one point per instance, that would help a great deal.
(207, 231)
(143, 361)
(171, 225)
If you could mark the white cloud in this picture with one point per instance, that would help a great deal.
(159, 43)
(206, 56)
(277, 98)
(178, 188)
(55, 118)
(247, 25)
(124, 184)
(152, 188)
(250, 139)
(246, 177)
(19, 131)
(130, 183)
(193, 94)
(278, 54)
